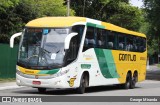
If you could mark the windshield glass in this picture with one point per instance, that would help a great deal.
(43, 48)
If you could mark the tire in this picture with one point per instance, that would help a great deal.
(134, 81)
(41, 90)
(82, 87)
(127, 84)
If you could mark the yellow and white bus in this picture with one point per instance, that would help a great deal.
(79, 52)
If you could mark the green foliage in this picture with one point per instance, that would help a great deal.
(4, 80)
(8, 3)
(9, 21)
(152, 8)
(14, 14)
(158, 65)
(4, 38)
(45, 7)
(153, 47)
(127, 16)
(118, 12)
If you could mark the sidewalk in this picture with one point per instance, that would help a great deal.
(9, 85)
(153, 73)
(152, 67)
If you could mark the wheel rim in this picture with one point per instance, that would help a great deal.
(128, 83)
(134, 80)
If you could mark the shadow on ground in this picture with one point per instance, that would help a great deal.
(71, 91)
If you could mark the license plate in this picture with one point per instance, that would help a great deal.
(36, 82)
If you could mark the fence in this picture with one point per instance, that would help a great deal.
(8, 59)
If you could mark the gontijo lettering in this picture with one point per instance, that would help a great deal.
(127, 57)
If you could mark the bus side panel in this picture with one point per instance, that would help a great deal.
(100, 72)
(107, 67)
(130, 61)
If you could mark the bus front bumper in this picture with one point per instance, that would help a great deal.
(58, 82)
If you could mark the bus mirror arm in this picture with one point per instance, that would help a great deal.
(68, 39)
(13, 37)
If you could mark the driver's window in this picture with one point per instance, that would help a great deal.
(73, 49)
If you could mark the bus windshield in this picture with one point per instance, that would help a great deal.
(42, 48)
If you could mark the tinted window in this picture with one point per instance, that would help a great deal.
(121, 42)
(90, 39)
(72, 52)
(101, 38)
(111, 42)
(129, 43)
(79, 29)
(141, 42)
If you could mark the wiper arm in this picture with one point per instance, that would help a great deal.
(58, 51)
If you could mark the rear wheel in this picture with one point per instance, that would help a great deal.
(134, 81)
(127, 84)
(83, 84)
(41, 90)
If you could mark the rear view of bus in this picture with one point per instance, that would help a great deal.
(77, 52)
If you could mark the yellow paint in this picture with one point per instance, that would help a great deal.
(112, 27)
(124, 66)
(69, 21)
(71, 82)
(88, 59)
(55, 21)
(29, 71)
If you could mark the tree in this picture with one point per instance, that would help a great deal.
(126, 16)
(118, 12)
(7, 15)
(14, 14)
(152, 8)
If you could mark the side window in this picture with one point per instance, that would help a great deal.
(144, 44)
(135, 44)
(79, 29)
(90, 39)
(101, 36)
(121, 41)
(73, 49)
(111, 40)
(129, 43)
(141, 44)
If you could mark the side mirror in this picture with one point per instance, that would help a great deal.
(13, 37)
(68, 38)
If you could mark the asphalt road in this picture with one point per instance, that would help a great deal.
(149, 87)
(146, 88)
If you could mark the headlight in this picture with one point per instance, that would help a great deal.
(59, 73)
(19, 72)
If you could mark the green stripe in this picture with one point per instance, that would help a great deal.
(91, 24)
(85, 66)
(111, 64)
(95, 25)
(100, 26)
(106, 63)
(48, 71)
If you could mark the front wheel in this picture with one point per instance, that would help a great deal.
(83, 82)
